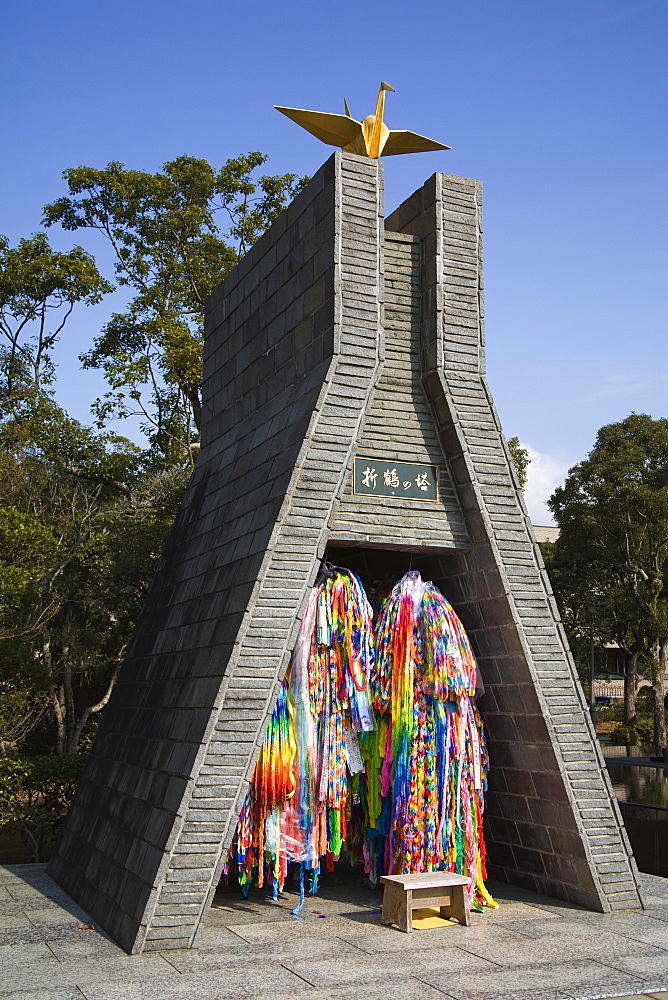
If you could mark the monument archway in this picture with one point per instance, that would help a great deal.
(340, 336)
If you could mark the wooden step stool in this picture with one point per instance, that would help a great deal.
(404, 893)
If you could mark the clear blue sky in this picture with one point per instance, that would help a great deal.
(558, 107)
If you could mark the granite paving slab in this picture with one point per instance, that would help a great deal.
(525, 981)
(78, 973)
(217, 937)
(204, 960)
(653, 885)
(504, 893)
(47, 916)
(13, 919)
(534, 994)
(9, 871)
(659, 912)
(255, 950)
(322, 904)
(12, 955)
(586, 992)
(603, 947)
(644, 966)
(16, 906)
(37, 975)
(651, 898)
(515, 911)
(26, 896)
(47, 932)
(403, 989)
(436, 937)
(92, 945)
(309, 926)
(246, 911)
(557, 907)
(29, 877)
(624, 922)
(60, 993)
(380, 968)
(642, 930)
(259, 979)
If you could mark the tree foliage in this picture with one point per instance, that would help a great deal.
(35, 793)
(84, 513)
(521, 460)
(612, 512)
(39, 287)
(170, 252)
(27, 553)
(85, 520)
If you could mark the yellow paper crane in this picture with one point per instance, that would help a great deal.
(370, 137)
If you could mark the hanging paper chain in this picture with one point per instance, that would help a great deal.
(419, 803)
(297, 807)
(427, 763)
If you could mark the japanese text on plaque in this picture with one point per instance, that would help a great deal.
(381, 477)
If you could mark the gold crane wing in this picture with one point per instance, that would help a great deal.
(336, 130)
(410, 142)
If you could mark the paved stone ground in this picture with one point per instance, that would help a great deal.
(531, 948)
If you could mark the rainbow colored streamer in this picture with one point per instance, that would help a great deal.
(297, 807)
(401, 695)
(427, 763)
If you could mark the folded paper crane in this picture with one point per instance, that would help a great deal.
(371, 137)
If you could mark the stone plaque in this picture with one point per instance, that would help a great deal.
(383, 477)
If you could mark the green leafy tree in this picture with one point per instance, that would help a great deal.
(612, 512)
(39, 288)
(573, 587)
(35, 793)
(95, 518)
(20, 713)
(27, 553)
(521, 460)
(587, 598)
(170, 252)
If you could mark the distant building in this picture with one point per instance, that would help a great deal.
(546, 532)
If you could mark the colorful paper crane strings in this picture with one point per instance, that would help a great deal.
(375, 745)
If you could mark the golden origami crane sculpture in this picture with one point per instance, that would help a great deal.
(371, 137)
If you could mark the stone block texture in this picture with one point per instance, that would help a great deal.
(399, 426)
(333, 338)
(553, 822)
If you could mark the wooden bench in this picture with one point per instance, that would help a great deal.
(404, 893)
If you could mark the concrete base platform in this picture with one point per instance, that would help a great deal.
(531, 948)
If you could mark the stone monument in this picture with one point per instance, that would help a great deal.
(343, 348)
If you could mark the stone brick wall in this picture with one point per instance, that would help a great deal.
(399, 425)
(291, 560)
(298, 381)
(293, 344)
(554, 823)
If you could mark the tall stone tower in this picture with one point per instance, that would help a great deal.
(342, 344)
